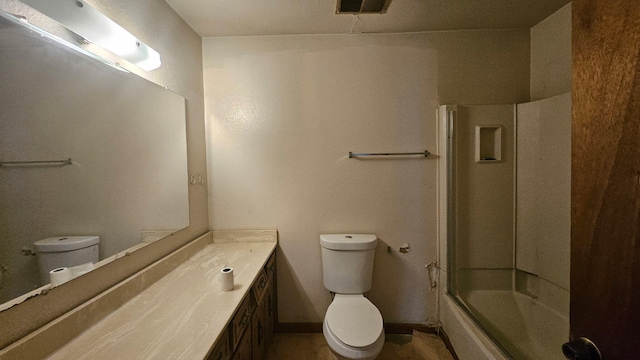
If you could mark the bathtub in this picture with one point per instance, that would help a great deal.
(514, 325)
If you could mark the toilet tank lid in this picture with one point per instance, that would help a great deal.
(348, 241)
(65, 243)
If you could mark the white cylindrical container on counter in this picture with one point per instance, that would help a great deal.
(226, 279)
(60, 276)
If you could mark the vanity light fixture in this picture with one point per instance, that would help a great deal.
(22, 21)
(92, 25)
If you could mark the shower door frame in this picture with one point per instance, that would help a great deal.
(449, 133)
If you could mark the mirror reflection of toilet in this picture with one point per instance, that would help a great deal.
(65, 251)
(352, 326)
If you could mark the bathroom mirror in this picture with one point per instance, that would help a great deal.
(125, 137)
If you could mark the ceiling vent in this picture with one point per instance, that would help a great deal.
(362, 6)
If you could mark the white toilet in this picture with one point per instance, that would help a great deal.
(352, 325)
(65, 251)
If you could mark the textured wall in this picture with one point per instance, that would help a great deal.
(551, 55)
(160, 27)
(283, 112)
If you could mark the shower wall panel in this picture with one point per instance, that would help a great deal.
(543, 185)
(484, 191)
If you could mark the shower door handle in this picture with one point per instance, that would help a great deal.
(581, 349)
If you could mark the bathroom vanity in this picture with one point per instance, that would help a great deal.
(251, 327)
(184, 314)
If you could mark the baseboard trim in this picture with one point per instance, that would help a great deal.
(401, 328)
(445, 339)
(389, 328)
(300, 328)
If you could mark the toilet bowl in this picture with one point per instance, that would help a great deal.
(353, 327)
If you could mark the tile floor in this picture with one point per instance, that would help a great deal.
(419, 346)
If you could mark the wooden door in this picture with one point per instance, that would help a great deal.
(605, 219)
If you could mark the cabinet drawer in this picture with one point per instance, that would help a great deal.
(221, 350)
(270, 266)
(241, 320)
(260, 286)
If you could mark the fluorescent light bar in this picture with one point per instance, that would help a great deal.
(20, 21)
(91, 24)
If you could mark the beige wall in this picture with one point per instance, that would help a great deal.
(180, 47)
(282, 114)
(551, 55)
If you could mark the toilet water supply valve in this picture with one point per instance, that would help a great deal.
(432, 267)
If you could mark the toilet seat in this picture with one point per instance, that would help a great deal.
(343, 351)
(354, 320)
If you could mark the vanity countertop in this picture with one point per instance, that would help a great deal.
(181, 315)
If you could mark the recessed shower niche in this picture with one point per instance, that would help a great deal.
(488, 143)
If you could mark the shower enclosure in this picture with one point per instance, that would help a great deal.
(508, 221)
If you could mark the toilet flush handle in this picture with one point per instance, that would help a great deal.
(27, 251)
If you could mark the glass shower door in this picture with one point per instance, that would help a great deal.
(507, 221)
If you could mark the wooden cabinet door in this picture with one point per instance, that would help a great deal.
(259, 344)
(243, 351)
(605, 214)
(269, 311)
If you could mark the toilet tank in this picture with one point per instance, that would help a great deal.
(347, 262)
(65, 251)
